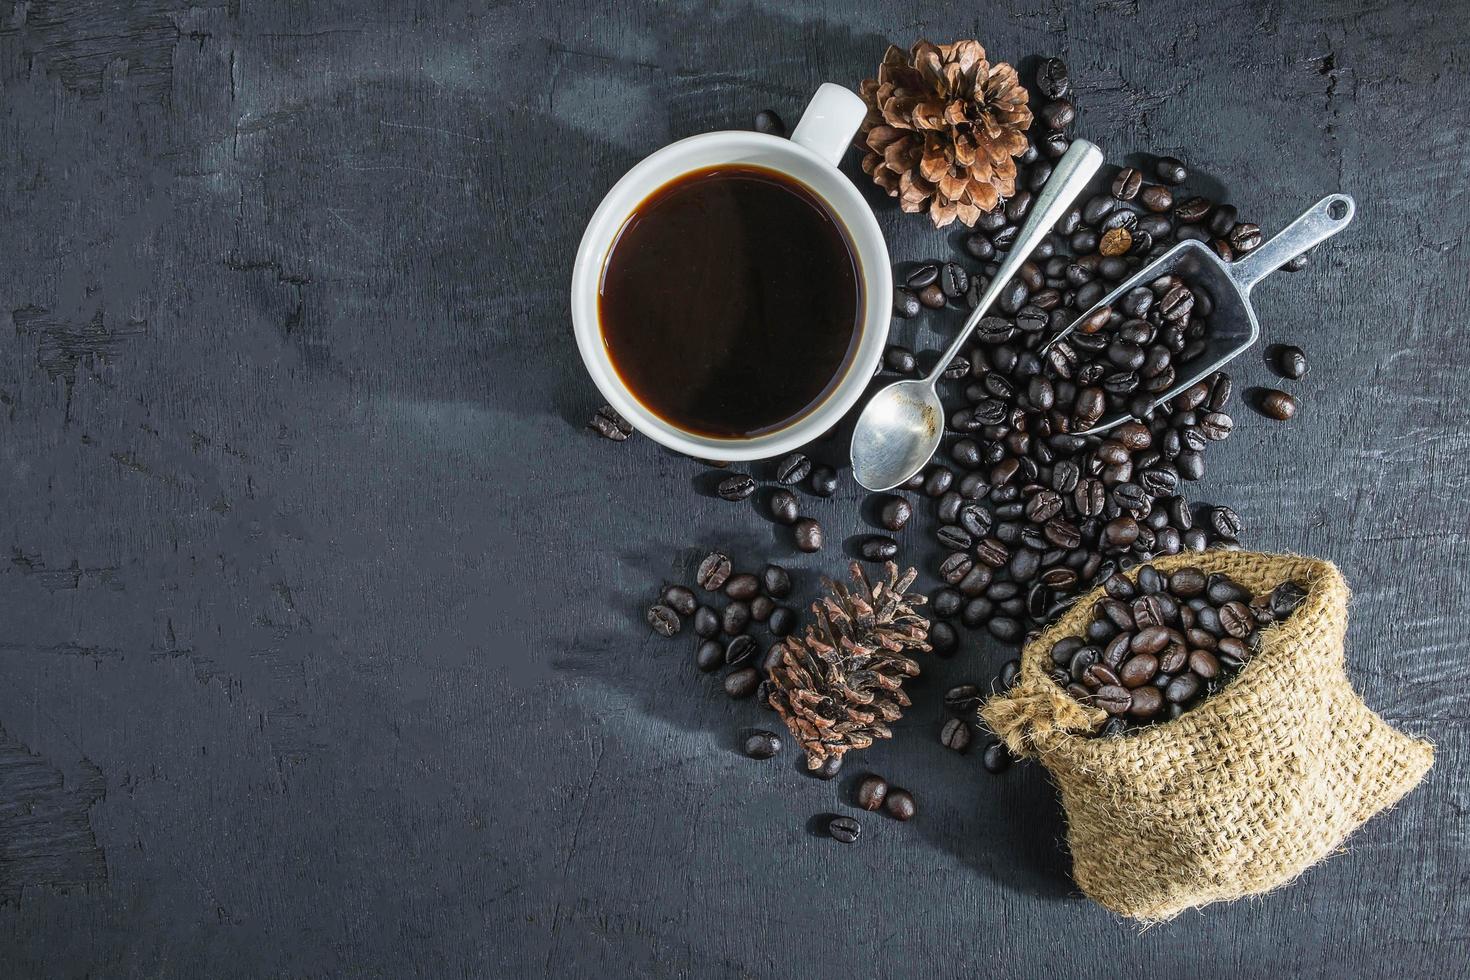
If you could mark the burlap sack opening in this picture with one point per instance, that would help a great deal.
(1240, 794)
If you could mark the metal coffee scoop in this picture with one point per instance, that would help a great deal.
(1233, 324)
(901, 426)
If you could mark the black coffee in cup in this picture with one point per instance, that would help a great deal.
(731, 302)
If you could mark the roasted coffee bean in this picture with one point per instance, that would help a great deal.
(1182, 689)
(709, 655)
(979, 247)
(1113, 699)
(1285, 599)
(1147, 701)
(1010, 672)
(743, 586)
(954, 538)
(740, 650)
(953, 278)
(906, 303)
(1216, 426)
(823, 481)
(737, 486)
(993, 552)
(761, 608)
(782, 621)
(1204, 663)
(878, 547)
(1187, 582)
(1139, 669)
(1058, 113)
(962, 699)
(1245, 237)
(610, 425)
(663, 620)
(1005, 628)
(1291, 362)
(1116, 241)
(713, 571)
(1171, 171)
(922, 275)
(680, 599)
(1225, 523)
(808, 535)
(871, 793)
(1120, 532)
(955, 735)
(937, 481)
(768, 122)
(792, 469)
(949, 506)
(894, 513)
(943, 639)
(1193, 210)
(845, 830)
(932, 296)
(899, 804)
(1127, 183)
(1277, 404)
(777, 581)
(976, 520)
(706, 622)
(785, 508)
(741, 683)
(735, 618)
(997, 758)
(1052, 80)
(1157, 199)
(1236, 619)
(761, 744)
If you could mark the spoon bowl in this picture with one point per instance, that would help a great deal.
(896, 434)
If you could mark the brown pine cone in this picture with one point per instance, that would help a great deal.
(839, 685)
(943, 129)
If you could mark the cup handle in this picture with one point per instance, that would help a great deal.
(829, 122)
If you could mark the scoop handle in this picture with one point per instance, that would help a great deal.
(1320, 222)
(1072, 172)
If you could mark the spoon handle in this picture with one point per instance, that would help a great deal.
(1072, 172)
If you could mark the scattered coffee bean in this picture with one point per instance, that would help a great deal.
(932, 296)
(713, 571)
(680, 599)
(785, 508)
(743, 586)
(894, 513)
(997, 758)
(829, 768)
(706, 622)
(776, 581)
(844, 829)
(871, 793)
(768, 122)
(610, 425)
(808, 535)
(877, 547)
(1171, 171)
(792, 469)
(823, 481)
(900, 360)
(1277, 404)
(741, 683)
(663, 620)
(906, 303)
(761, 744)
(735, 618)
(955, 735)
(782, 621)
(709, 655)
(1291, 362)
(899, 804)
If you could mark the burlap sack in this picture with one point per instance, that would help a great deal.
(1240, 794)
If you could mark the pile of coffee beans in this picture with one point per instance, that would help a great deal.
(724, 637)
(1030, 511)
(1160, 644)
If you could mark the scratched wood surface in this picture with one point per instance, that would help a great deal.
(320, 638)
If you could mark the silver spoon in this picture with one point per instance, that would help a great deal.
(900, 428)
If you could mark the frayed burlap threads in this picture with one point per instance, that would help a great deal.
(1237, 796)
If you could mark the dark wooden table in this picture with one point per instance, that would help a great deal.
(321, 648)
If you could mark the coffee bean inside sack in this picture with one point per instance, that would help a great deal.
(1159, 645)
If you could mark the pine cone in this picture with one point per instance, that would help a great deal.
(839, 686)
(943, 128)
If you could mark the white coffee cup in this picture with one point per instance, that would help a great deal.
(809, 157)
